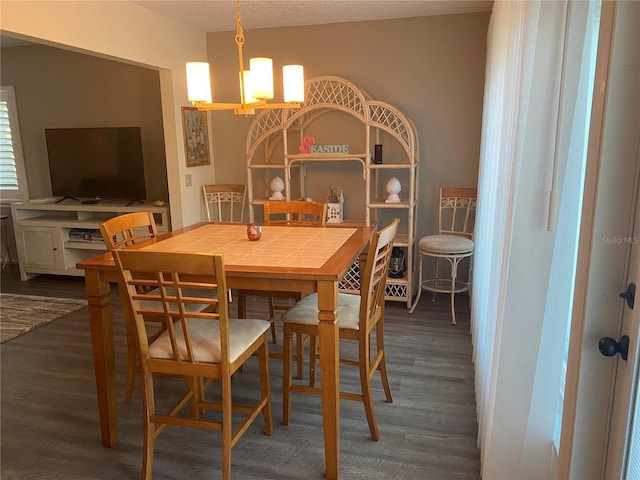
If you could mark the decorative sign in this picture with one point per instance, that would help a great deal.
(308, 146)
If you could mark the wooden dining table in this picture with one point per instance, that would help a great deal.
(285, 258)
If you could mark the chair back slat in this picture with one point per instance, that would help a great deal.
(295, 213)
(375, 275)
(226, 201)
(128, 229)
(457, 211)
(170, 276)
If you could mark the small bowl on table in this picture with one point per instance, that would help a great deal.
(254, 231)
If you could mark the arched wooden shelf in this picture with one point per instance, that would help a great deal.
(267, 150)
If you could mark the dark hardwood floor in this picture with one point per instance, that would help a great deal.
(49, 420)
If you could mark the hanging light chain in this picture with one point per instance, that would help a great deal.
(240, 42)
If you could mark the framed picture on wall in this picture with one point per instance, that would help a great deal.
(196, 137)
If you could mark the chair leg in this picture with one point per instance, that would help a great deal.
(383, 362)
(132, 353)
(227, 428)
(299, 355)
(365, 385)
(435, 266)
(272, 320)
(265, 387)
(454, 275)
(415, 302)
(149, 434)
(287, 360)
(313, 353)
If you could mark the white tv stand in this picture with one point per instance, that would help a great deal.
(42, 232)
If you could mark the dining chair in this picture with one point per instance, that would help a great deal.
(454, 242)
(197, 345)
(296, 213)
(121, 232)
(358, 317)
(224, 202)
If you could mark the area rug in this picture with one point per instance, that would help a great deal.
(20, 314)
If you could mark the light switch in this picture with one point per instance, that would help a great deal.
(187, 180)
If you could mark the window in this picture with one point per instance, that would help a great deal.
(13, 180)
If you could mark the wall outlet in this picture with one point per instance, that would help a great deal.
(187, 180)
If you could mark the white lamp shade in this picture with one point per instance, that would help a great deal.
(198, 82)
(293, 83)
(248, 87)
(262, 77)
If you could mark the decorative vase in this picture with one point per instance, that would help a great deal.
(277, 187)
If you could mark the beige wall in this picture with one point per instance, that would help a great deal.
(57, 88)
(431, 68)
(125, 31)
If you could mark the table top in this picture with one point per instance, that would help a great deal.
(279, 246)
(283, 251)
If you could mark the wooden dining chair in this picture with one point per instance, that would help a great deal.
(297, 213)
(195, 345)
(121, 232)
(224, 202)
(358, 317)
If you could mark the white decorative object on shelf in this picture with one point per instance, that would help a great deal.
(277, 187)
(393, 188)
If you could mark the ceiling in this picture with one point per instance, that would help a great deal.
(219, 15)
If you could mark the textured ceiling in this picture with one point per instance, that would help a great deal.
(219, 15)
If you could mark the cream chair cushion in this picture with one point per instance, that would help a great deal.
(453, 244)
(205, 338)
(306, 311)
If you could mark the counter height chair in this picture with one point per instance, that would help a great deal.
(454, 242)
(297, 213)
(358, 317)
(121, 232)
(224, 202)
(195, 345)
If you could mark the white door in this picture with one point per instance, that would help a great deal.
(600, 390)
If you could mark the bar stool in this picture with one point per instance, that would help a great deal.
(453, 243)
(4, 234)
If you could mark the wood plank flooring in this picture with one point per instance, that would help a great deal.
(49, 420)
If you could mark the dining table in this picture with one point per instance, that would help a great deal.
(284, 259)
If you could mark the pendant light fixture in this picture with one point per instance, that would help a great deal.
(256, 84)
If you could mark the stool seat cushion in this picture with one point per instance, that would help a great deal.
(452, 244)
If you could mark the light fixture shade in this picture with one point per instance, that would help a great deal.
(262, 77)
(293, 83)
(198, 82)
(248, 87)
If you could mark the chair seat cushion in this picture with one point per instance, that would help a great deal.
(453, 244)
(306, 311)
(205, 339)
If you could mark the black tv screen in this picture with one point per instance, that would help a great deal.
(96, 162)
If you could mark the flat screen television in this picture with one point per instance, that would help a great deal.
(96, 163)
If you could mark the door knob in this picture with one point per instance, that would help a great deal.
(609, 347)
